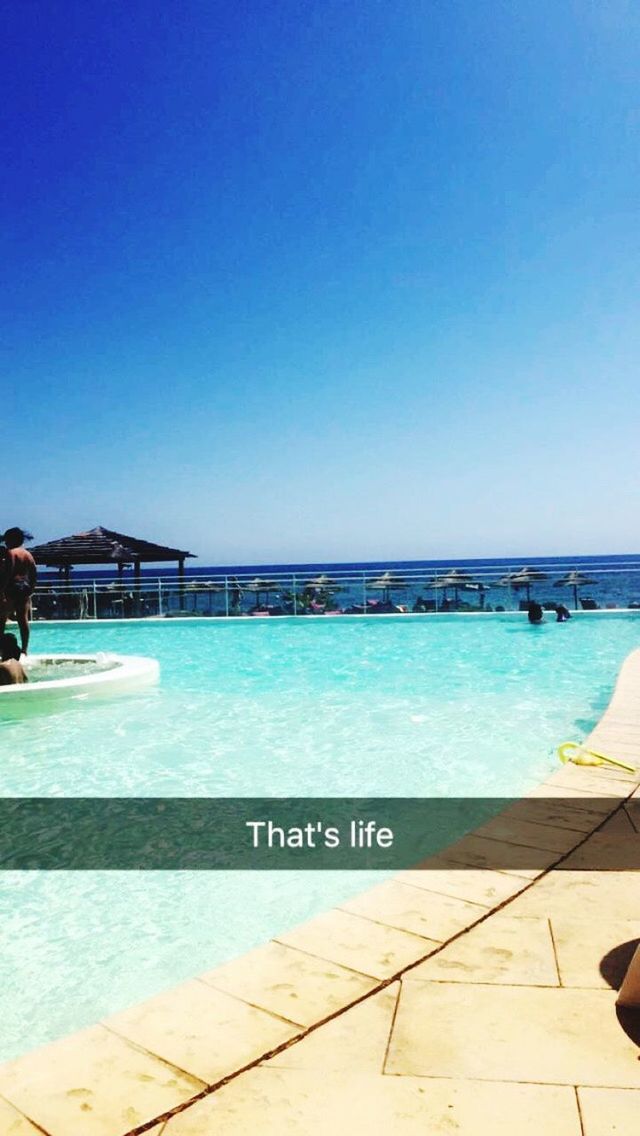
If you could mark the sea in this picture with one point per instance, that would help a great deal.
(614, 580)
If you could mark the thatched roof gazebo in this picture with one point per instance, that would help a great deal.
(104, 546)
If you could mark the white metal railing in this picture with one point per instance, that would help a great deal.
(355, 591)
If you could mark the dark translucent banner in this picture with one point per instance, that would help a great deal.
(225, 833)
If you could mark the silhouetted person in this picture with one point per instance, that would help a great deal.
(534, 612)
(17, 584)
(562, 614)
(235, 595)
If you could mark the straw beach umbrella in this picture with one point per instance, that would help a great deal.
(481, 588)
(509, 580)
(258, 585)
(575, 580)
(204, 586)
(323, 581)
(385, 583)
(322, 587)
(525, 577)
(455, 578)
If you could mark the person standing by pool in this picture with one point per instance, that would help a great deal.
(17, 583)
(235, 596)
(11, 669)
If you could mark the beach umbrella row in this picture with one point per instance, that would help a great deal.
(455, 579)
(459, 580)
(523, 578)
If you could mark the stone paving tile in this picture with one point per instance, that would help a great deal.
(290, 983)
(632, 809)
(620, 744)
(413, 909)
(501, 950)
(593, 780)
(515, 1033)
(609, 1112)
(480, 852)
(356, 1040)
(598, 780)
(599, 896)
(621, 716)
(617, 825)
(201, 1030)
(476, 885)
(614, 733)
(13, 1124)
(616, 727)
(574, 797)
(578, 806)
(363, 946)
(581, 945)
(607, 852)
(275, 1102)
(93, 1084)
(514, 830)
(558, 812)
(531, 875)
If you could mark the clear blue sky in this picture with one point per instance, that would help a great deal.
(339, 279)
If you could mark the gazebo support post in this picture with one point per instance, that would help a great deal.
(136, 584)
(181, 581)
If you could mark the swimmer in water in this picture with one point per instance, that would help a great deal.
(11, 669)
(534, 612)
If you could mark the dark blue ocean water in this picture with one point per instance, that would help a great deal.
(481, 567)
(615, 582)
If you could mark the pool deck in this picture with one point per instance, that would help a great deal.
(452, 999)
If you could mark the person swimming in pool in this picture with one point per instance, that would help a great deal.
(534, 612)
(11, 669)
(18, 576)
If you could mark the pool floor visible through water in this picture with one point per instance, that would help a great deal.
(425, 706)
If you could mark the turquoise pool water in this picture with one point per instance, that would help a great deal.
(403, 706)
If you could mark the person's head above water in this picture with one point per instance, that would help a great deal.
(14, 537)
(534, 612)
(9, 648)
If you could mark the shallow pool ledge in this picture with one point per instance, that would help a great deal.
(159, 1066)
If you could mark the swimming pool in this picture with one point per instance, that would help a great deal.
(424, 706)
